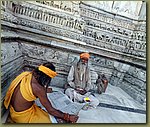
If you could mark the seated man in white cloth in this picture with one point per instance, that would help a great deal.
(79, 82)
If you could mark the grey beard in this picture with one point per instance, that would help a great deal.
(83, 63)
(82, 66)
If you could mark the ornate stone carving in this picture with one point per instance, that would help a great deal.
(138, 35)
(116, 43)
(107, 27)
(44, 53)
(9, 52)
(68, 6)
(5, 5)
(85, 12)
(102, 61)
(128, 7)
(127, 45)
(8, 17)
(105, 5)
(101, 40)
(47, 16)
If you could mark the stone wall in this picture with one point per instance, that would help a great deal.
(131, 79)
(11, 60)
(58, 31)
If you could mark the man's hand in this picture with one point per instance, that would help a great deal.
(49, 90)
(70, 118)
(73, 118)
(81, 91)
(105, 82)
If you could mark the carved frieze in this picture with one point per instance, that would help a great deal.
(109, 28)
(139, 35)
(50, 29)
(102, 61)
(123, 44)
(98, 39)
(135, 43)
(49, 17)
(68, 6)
(8, 17)
(85, 12)
(39, 51)
(131, 8)
(45, 53)
(9, 52)
(137, 73)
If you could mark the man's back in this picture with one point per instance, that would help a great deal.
(25, 88)
(18, 102)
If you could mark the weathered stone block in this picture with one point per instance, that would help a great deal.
(59, 81)
(125, 67)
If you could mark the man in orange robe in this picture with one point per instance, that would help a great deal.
(28, 86)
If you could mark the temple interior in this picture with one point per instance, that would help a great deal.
(113, 32)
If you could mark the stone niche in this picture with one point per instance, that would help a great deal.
(39, 31)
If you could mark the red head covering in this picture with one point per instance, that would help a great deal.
(85, 55)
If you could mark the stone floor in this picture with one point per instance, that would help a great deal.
(116, 96)
(115, 106)
(108, 115)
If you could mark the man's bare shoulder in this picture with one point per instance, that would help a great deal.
(37, 88)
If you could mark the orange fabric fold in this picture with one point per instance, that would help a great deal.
(32, 115)
(24, 79)
(25, 88)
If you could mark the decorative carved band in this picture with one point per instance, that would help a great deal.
(133, 44)
(98, 16)
(100, 40)
(68, 6)
(49, 17)
(115, 40)
(139, 35)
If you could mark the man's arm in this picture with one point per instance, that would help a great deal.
(70, 77)
(40, 92)
(49, 90)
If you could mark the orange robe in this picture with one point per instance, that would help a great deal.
(32, 115)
